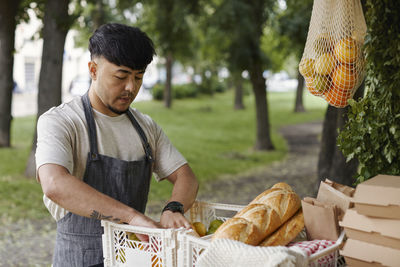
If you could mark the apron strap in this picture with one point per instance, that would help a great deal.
(91, 126)
(146, 145)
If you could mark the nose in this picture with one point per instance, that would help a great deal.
(130, 85)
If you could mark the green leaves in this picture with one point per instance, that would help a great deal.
(372, 134)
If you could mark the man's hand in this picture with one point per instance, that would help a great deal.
(184, 191)
(143, 221)
(171, 219)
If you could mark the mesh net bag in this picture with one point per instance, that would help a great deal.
(333, 62)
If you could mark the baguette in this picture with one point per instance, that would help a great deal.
(266, 213)
(287, 232)
(239, 229)
(285, 202)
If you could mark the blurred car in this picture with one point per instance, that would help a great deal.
(280, 82)
(16, 88)
(79, 85)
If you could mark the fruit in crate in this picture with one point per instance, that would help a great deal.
(200, 228)
(214, 226)
(325, 64)
(306, 67)
(346, 50)
(132, 236)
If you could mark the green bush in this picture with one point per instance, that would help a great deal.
(189, 90)
(185, 90)
(211, 86)
(158, 91)
(372, 133)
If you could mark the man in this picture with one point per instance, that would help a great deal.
(95, 155)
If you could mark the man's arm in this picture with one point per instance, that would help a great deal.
(184, 191)
(80, 198)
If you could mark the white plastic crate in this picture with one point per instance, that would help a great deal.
(190, 246)
(179, 247)
(161, 250)
(119, 250)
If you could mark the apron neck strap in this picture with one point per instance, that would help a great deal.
(145, 142)
(91, 124)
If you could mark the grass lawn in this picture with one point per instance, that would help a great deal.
(213, 137)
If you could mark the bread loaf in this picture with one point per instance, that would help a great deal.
(287, 232)
(239, 229)
(266, 213)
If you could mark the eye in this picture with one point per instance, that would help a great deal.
(138, 78)
(119, 78)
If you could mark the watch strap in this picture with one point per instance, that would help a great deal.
(174, 206)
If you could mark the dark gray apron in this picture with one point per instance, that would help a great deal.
(78, 241)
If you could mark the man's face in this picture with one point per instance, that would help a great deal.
(115, 86)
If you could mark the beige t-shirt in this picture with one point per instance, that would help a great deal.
(63, 139)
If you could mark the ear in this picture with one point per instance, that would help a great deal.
(92, 69)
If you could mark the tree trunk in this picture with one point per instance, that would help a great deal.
(238, 84)
(331, 163)
(168, 82)
(98, 14)
(56, 25)
(8, 11)
(299, 107)
(263, 140)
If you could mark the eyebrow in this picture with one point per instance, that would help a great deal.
(129, 72)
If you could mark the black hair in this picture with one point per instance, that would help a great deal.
(122, 45)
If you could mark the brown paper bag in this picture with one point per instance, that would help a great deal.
(338, 194)
(320, 219)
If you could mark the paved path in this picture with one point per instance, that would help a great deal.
(31, 243)
(299, 170)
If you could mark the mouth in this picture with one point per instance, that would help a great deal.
(125, 99)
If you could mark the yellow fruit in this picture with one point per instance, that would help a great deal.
(323, 43)
(325, 64)
(200, 228)
(321, 83)
(132, 236)
(346, 51)
(337, 97)
(310, 86)
(306, 67)
(343, 77)
(156, 261)
(214, 225)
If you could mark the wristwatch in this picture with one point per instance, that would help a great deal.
(174, 206)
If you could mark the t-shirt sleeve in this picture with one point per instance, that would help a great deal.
(167, 158)
(53, 141)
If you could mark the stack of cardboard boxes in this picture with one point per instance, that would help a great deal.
(373, 225)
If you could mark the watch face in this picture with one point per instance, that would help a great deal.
(174, 206)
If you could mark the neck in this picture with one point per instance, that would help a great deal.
(98, 104)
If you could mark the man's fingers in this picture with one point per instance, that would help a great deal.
(143, 238)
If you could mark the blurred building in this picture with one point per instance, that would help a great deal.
(27, 57)
(75, 80)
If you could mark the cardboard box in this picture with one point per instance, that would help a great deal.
(379, 231)
(358, 253)
(379, 197)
